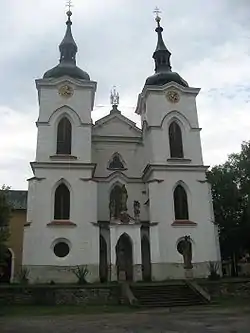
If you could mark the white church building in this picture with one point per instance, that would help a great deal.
(111, 196)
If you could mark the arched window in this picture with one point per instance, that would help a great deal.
(116, 163)
(180, 203)
(62, 203)
(64, 132)
(175, 140)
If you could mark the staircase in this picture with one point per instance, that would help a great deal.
(167, 295)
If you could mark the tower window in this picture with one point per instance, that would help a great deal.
(62, 203)
(116, 163)
(180, 203)
(175, 140)
(64, 133)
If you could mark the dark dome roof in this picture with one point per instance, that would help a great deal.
(165, 77)
(67, 69)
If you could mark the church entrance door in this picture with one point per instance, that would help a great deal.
(6, 268)
(124, 258)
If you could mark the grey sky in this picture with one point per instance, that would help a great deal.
(210, 45)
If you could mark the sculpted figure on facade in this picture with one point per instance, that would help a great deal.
(187, 252)
(137, 210)
(124, 198)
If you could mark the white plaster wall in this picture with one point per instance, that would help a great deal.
(116, 127)
(80, 102)
(131, 153)
(160, 113)
(84, 238)
(47, 137)
(162, 211)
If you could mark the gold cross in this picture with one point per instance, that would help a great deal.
(69, 5)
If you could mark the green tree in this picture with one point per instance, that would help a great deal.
(231, 199)
(5, 214)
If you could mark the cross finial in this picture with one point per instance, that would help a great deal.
(157, 17)
(69, 5)
(114, 97)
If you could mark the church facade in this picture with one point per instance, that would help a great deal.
(125, 202)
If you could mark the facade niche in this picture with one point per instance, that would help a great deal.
(116, 163)
(180, 203)
(62, 203)
(64, 137)
(175, 141)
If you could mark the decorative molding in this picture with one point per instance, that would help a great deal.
(184, 223)
(63, 157)
(61, 223)
(179, 160)
(118, 174)
(88, 180)
(63, 165)
(36, 178)
(202, 181)
(118, 139)
(155, 181)
(166, 167)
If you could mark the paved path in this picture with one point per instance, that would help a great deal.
(177, 321)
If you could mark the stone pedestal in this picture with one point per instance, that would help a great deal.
(189, 274)
(122, 276)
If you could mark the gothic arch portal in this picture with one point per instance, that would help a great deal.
(124, 257)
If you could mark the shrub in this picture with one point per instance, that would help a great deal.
(81, 272)
(213, 270)
(23, 275)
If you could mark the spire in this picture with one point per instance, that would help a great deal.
(68, 47)
(161, 54)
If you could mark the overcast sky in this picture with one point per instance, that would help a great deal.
(210, 45)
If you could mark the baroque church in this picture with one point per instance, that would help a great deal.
(126, 202)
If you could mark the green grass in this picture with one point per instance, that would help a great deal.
(60, 310)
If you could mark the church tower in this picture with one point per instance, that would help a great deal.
(180, 201)
(62, 201)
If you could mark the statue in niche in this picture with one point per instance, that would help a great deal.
(124, 198)
(112, 208)
(137, 211)
(118, 202)
(186, 245)
(116, 163)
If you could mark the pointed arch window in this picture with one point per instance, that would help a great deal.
(64, 137)
(62, 203)
(175, 140)
(116, 163)
(180, 203)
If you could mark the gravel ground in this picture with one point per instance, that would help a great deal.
(154, 321)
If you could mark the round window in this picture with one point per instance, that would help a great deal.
(180, 246)
(61, 249)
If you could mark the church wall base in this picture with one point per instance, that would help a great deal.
(164, 271)
(60, 274)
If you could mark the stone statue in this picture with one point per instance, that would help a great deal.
(187, 252)
(112, 208)
(124, 198)
(137, 207)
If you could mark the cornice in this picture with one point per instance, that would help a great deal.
(175, 167)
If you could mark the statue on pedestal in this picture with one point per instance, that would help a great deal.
(124, 198)
(137, 207)
(187, 252)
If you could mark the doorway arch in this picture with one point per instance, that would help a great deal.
(103, 265)
(6, 271)
(124, 257)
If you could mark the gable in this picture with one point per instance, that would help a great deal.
(116, 125)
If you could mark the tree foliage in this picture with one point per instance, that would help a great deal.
(5, 214)
(231, 199)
